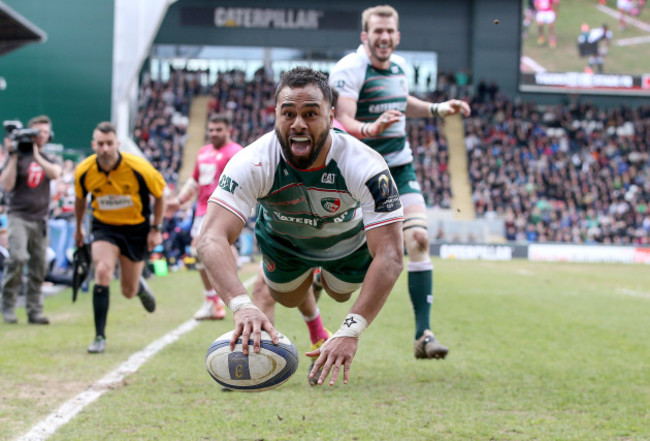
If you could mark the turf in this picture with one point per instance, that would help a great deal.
(539, 351)
(631, 59)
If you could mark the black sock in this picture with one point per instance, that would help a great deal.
(100, 306)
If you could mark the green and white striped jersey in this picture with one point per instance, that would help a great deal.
(318, 214)
(375, 91)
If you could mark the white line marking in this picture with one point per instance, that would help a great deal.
(633, 293)
(534, 65)
(112, 380)
(633, 40)
(612, 13)
(525, 272)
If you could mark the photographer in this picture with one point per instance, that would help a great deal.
(26, 178)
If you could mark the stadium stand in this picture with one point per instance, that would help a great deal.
(195, 135)
(568, 173)
(460, 184)
(161, 125)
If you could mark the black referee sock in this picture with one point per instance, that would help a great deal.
(100, 307)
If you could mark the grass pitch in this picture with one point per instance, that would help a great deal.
(629, 59)
(539, 351)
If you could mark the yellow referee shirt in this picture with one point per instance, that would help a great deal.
(120, 196)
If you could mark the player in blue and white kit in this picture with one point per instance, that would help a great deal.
(326, 200)
(373, 105)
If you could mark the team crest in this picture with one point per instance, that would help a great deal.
(268, 264)
(331, 204)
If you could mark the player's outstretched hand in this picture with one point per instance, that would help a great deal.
(452, 107)
(334, 354)
(385, 120)
(250, 322)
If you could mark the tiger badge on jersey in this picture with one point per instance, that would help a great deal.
(268, 264)
(331, 205)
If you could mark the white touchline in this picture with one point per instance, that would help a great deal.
(633, 293)
(72, 407)
(633, 40)
(534, 65)
(612, 13)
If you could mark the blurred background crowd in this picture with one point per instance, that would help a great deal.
(570, 173)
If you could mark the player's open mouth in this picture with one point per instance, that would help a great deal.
(300, 145)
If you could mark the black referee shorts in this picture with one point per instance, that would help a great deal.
(130, 239)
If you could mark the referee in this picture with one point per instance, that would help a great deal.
(121, 185)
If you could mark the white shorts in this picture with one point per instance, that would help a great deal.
(334, 284)
(196, 226)
(545, 17)
(408, 199)
(625, 5)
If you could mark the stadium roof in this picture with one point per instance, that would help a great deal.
(17, 31)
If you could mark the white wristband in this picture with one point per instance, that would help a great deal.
(353, 326)
(240, 302)
(444, 108)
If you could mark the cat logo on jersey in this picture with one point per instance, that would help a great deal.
(384, 192)
(328, 178)
(228, 184)
(331, 204)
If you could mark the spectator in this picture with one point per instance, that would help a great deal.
(26, 177)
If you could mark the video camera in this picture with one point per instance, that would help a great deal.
(22, 140)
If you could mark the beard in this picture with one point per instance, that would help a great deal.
(374, 52)
(302, 162)
(217, 143)
(107, 161)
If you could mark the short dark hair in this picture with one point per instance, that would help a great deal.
(335, 97)
(302, 76)
(106, 127)
(41, 119)
(220, 118)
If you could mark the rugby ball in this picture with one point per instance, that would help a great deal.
(269, 368)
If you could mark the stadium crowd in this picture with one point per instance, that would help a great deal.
(250, 104)
(566, 173)
(161, 124)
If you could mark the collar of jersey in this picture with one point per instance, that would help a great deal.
(117, 164)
